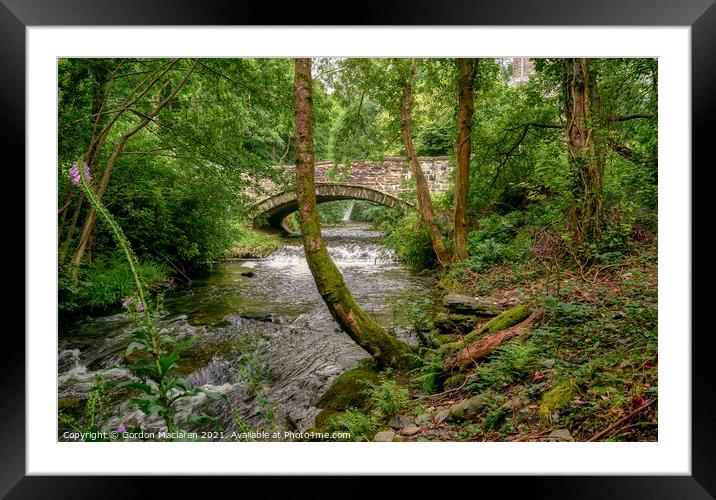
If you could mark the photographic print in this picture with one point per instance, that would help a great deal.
(345, 249)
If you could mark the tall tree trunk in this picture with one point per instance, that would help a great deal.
(102, 186)
(68, 238)
(462, 150)
(384, 348)
(102, 78)
(425, 204)
(586, 153)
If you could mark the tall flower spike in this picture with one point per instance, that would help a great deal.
(75, 175)
(88, 176)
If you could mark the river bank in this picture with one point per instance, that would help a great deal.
(264, 338)
(575, 359)
(261, 336)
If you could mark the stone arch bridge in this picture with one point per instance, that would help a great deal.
(377, 182)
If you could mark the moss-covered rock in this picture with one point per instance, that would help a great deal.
(556, 397)
(453, 322)
(444, 338)
(454, 381)
(465, 410)
(348, 390)
(322, 418)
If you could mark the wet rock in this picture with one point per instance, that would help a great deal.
(560, 435)
(67, 360)
(462, 304)
(411, 430)
(442, 416)
(384, 436)
(399, 421)
(465, 410)
(265, 317)
(248, 273)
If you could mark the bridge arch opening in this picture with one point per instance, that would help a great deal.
(274, 209)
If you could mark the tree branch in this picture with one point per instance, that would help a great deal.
(623, 118)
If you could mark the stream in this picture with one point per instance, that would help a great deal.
(264, 336)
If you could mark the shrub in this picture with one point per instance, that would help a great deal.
(511, 363)
(355, 422)
(365, 211)
(486, 253)
(411, 241)
(388, 397)
(106, 283)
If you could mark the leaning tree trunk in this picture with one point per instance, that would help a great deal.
(586, 156)
(462, 149)
(423, 191)
(384, 348)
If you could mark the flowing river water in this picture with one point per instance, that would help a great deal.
(263, 336)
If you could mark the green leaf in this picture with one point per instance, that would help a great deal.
(134, 346)
(216, 395)
(137, 385)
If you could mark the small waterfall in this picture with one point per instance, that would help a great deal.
(347, 215)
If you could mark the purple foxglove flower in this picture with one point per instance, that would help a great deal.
(140, 306)
(122, 429)
(127, 302)
(75, 175)
(87, 173)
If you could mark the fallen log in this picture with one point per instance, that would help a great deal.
(481, 348)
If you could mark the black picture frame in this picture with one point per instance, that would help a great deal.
(700, 15)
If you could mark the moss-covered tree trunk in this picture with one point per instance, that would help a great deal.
(462, 150)
(425, 204)
(384, 348)
(586, 153)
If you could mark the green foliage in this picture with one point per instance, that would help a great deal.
(486, 253)
(411, 241)
(353, 421)
(510, 363)
(95, 412)
(365, 211)
(158, 355)
(251, 243)
(387, 397)
(103, 285)
(411, 310)
(436, 138)
(430, 375)
(332, 213)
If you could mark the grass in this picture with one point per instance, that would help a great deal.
(105, 284)
(251, 243)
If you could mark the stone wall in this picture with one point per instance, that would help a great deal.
(392, 176)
